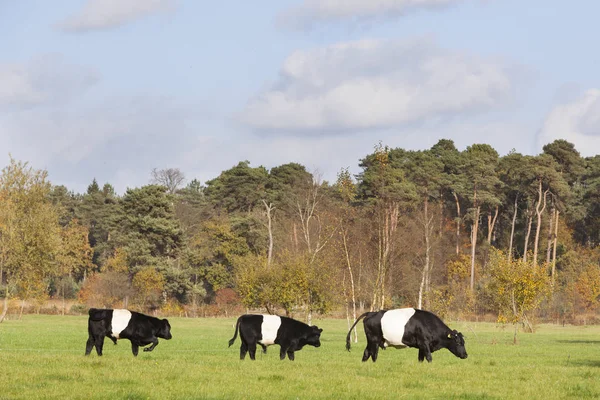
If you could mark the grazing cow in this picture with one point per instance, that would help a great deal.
(140, 329)
(408, 327)
(265, 330)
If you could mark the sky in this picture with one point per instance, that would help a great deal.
(111, 89)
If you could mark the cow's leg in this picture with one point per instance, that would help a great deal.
(282, 352)
(428, 354)
(99, 342)
(89, 345)
(374, 351)
(135, 348)
(264, 348)
(243, 350)
(424, 351)
(252, 350)
(371, 350)
(152, 346)
(366, 354)
(290, 354)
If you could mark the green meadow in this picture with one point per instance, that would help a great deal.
(41, 357)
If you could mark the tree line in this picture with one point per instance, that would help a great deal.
(465, 232)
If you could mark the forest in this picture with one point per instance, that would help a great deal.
(467, 233)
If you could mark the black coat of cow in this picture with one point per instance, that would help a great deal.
(291, 335)
(140, 329)
(408, 327)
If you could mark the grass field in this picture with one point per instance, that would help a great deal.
(42, 357)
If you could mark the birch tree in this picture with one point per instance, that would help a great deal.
(29, 231)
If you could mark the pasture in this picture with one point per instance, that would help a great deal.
(42, 357)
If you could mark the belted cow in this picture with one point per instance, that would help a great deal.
(408, 327)
(291, 335)
(140, 329)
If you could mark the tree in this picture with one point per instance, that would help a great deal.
(518, 287)
(101, 212)
(513, 173)
(66, 202)
(191, 207)
(453, 179)
(546, 179)
(29, 231)
(148, 284)
(480, 161)
(171, 178)
(74, 258)
(385, 189)
(347, 193)
(212, 251)
(425, 170)
(587, 228)
(240, 188)
(149, 227)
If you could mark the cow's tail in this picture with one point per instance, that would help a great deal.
(237, 325)
(350, 331)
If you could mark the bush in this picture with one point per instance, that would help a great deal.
(78, 309)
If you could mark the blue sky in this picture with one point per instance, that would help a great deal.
(110, 89)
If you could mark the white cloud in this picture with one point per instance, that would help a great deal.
(44, 79)
(311, 12)
(106, 140)
(376, 84)
(48, 119)
(103, 14)
(577, 122)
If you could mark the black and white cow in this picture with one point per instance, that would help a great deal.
(291, 335)
(140, 329)
(408, 327)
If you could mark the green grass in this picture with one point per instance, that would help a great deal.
(42, 357)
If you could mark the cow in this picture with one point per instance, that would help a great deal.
(291, 335)
(140, 329)
(408, 327)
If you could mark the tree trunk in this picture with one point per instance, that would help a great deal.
(529, 222)
(441, 229)
(512, 230)
(550, 238)
(269, 208)
(388, 222)
(473, 245)
(423, 287)
(63, 299)
(22, 307)
(295, 237)
(458, 219)
(539, 210)
(514, 307)
(554, 247)
(4, 305)
(491, 224)
(352, 289)
(377, 284)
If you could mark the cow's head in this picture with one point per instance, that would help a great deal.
(314, 336)
(456, 344)
(165, 330)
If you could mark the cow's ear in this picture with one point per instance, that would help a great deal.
(320, 330)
